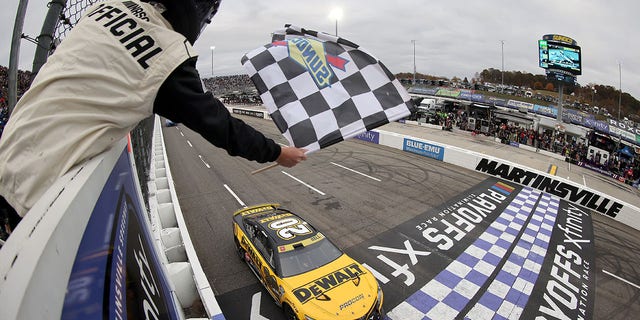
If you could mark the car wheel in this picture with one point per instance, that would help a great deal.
(289, 314)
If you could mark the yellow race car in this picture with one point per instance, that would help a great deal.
(305, 273)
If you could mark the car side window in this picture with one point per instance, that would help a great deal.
(263, 245)
(270, 257)
(250, 229)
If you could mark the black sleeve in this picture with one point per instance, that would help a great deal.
(181, 99)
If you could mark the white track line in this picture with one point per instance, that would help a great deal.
(235, 196)
(189, 143)
(206, 164)
(621, 279)
(354, 171)
(307, 185)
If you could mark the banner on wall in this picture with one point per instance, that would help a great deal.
(546, 111)
(424, 149)
(116, 272)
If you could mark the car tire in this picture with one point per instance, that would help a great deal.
(288, 313)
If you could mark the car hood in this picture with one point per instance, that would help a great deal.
(342, 289)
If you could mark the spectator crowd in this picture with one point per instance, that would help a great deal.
(24, 81)
(236, 89)
(227, 84)
(575, 150)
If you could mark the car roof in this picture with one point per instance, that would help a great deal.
(266, 215)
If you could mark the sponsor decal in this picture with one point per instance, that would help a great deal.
(312, 56)
(426, 91)
(565, 289)
(305, 243)
(546, 111)
(624, 127)
(604, 172)
(275, 217)
(320, 286)
(256, 210)
(601, 126)
(619, 132)
(369, 136)
(572, 193)
(516, 104)
(573, 116)
(495, 101)
(559, 38)
(459, 220)
(136, 10)
(465, 95)
(448, 93)
(351, 301)
(401, 258)
(477, 97)
(423, 149)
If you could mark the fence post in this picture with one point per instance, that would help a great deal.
(14, 56)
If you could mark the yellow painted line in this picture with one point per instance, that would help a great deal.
(552, 170)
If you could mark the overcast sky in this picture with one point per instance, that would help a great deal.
(453, 37)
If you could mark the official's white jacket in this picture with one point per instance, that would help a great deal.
(101, 81)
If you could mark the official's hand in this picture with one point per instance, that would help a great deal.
(290, 156)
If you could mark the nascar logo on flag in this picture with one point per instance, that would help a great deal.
(320, 89)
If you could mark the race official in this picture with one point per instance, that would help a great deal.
(123, 62)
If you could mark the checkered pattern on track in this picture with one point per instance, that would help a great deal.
(508, 294)
(453, 288)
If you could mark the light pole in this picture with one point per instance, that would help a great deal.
(212, 48)
(414, 61)
(502, 73)
(336, 14)
(620, 96)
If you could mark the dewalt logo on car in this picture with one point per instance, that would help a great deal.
(327, 282)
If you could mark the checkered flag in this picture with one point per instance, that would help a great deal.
(320, 89)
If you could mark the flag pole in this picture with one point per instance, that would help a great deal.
(273, 165)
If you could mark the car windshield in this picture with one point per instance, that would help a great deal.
(306, 258)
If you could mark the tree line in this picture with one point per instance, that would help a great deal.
(592, 94)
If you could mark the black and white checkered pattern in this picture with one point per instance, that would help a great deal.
(362, 93)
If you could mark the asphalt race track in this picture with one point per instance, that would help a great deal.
(391, 210)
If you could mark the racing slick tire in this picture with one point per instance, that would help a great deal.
(288, 313)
